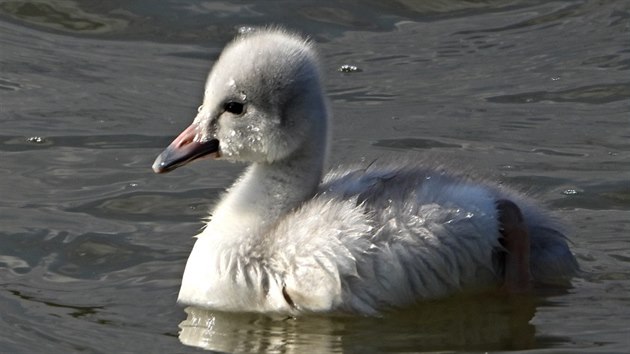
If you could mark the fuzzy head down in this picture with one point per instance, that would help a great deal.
(263, 98)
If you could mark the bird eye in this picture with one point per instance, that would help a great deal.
(233, 107)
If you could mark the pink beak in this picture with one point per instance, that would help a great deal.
(183, 150)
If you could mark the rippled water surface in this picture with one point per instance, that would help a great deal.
(533, 94)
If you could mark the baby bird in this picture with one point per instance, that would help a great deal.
(287, 239)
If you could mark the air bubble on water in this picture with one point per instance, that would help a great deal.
(246, 30)
(36, 140)
(348, 69)
(131, 185)
(570, 192)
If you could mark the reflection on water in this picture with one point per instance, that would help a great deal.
(470, 323)
(60, 15)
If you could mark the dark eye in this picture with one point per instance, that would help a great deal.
(233, 107)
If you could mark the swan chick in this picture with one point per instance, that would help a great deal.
(286, 238)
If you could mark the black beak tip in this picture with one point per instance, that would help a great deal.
(160, 165)
(173, 157)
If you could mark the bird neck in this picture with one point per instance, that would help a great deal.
(269, 190)
(266, 192)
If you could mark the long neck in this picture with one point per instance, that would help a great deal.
(265, 192)
(268, 191)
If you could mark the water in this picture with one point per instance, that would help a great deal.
(533, 94)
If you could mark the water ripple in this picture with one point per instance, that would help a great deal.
(413, 144)
(592, 94)
(97, 142)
